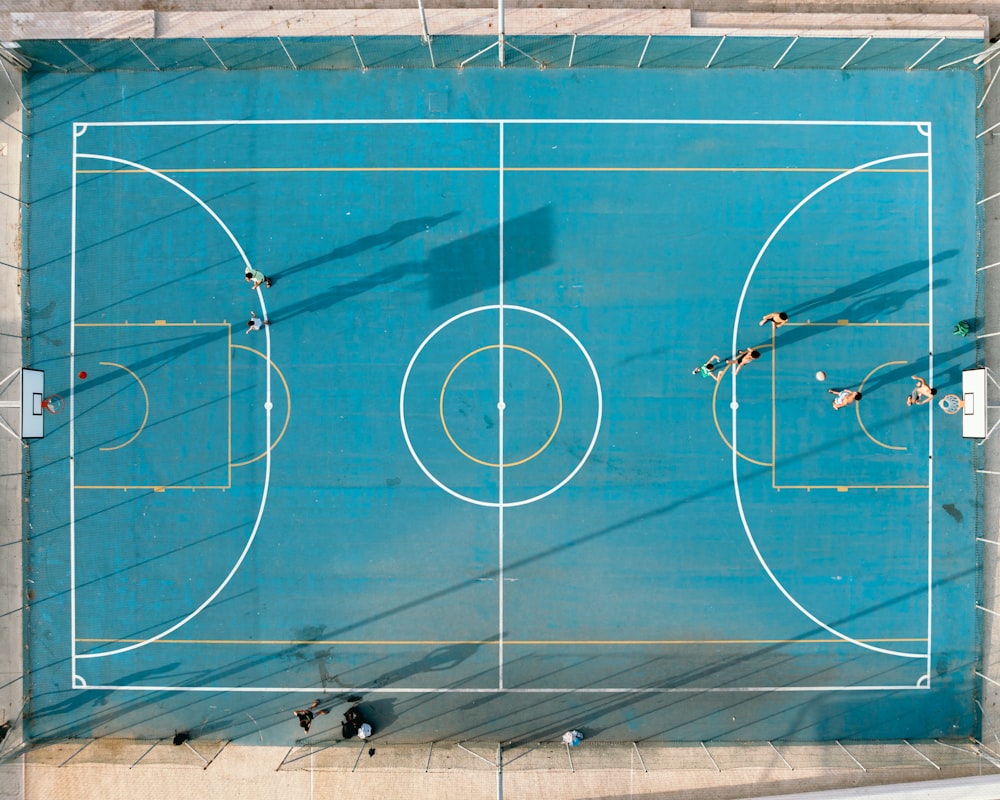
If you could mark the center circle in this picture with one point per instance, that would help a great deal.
(501, 405)
(558, 480)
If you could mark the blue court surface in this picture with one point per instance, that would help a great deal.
(466, 476)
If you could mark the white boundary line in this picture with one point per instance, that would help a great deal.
(495, 121)
(734, 405)
(930, 413)
(76, 132)
(79, 130)
(555, 690)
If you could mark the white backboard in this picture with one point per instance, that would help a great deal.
(974, 397)
(32, 413)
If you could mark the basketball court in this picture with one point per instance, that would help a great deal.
(466, 474)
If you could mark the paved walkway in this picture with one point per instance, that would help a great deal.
(11, 452)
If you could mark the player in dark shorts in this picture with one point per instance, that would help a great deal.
(255, 278)
(743, 358)
(305, 715)
(776, 318)
(352, 723)
(921, 394)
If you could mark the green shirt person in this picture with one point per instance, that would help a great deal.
(707, 370)
(255, 278)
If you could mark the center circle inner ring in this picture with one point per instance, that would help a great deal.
(555, 428)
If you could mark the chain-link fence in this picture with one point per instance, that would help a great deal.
(959, 757)
(688, 765)
(457, 51)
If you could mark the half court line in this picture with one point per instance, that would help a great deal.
(500, 426)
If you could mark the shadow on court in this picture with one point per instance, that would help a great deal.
(860, 301)
(864, 287)
(390, 237)
(451, 272)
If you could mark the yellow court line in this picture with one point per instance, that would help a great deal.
(145, 394)
(127, 324)
(288, 410)
(532, 642)
(699, 169)
(229, 406)
(555, 428)
(774, 407)
(843, 487)
(857, 406)
(715, 418)
(846, 324)
(287, 169)
(159, 324)
(155, 487)
(485, 169)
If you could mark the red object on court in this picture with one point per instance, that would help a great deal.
(83, 375)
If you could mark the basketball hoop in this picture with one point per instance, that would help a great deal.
(53, 404)
(951, 404)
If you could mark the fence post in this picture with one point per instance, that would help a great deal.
(924, 55)
(782, 58)
(68, 50)
(855, 53)
(209, 46)
(644, 49)
(718, 47)
(145, 55)
(294, 65)
(356, 50)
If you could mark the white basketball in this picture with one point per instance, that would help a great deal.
(821, 376)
